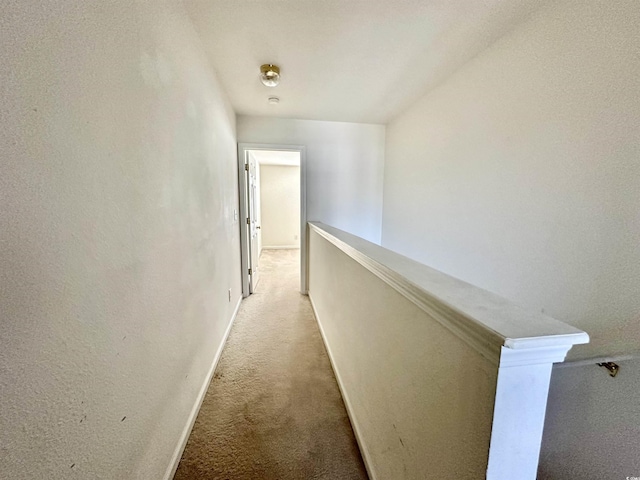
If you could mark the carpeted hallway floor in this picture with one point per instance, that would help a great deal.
(273, 410)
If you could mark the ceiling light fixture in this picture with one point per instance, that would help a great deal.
(270, 75)
(274, 100)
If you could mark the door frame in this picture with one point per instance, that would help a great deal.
(243, 147)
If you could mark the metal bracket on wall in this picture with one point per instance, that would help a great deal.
(611, 366)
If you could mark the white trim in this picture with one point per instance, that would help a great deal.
(182, 443)
(281, 247)
(533, 356)
(484, 320)
(518, 419)
(243, 215)
(366, 456)
(304, 243)
(304, 237)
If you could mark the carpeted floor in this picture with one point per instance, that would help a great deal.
(273, 410)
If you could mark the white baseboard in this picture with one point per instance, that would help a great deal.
(282, 247)
(182, 443)
(366, 456)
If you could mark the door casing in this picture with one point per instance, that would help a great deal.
(243, 148)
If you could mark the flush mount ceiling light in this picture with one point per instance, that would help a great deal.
(274, 100)
(270, 75)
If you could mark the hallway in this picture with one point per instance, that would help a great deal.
(273, 409)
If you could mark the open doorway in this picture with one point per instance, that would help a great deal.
(279, 194)
(272, 206)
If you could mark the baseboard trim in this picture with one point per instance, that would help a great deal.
(282, 247)
(182, 443)
(366, 456)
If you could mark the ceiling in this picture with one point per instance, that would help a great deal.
(273, 157)
(345, 60)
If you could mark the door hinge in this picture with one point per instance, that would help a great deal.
(249, 271)
(248, 221)
(246, 167)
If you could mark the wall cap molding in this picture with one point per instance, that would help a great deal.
(486, 321)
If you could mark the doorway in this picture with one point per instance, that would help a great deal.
(273, 228)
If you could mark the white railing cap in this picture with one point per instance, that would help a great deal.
(486, 320)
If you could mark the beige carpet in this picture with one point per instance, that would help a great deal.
(273, 410)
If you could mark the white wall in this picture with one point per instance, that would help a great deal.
(345, 163)
(593, 423)
(118, 183)
(280, 205)
(520, 174)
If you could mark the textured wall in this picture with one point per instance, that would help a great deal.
(592, 426)
(520, 174)
(280, 205)
(118, 243)
(345, 163)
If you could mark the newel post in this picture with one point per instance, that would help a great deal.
(524, 375)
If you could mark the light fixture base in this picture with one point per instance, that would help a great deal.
(269, 74)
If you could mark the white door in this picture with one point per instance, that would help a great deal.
(253, 206)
